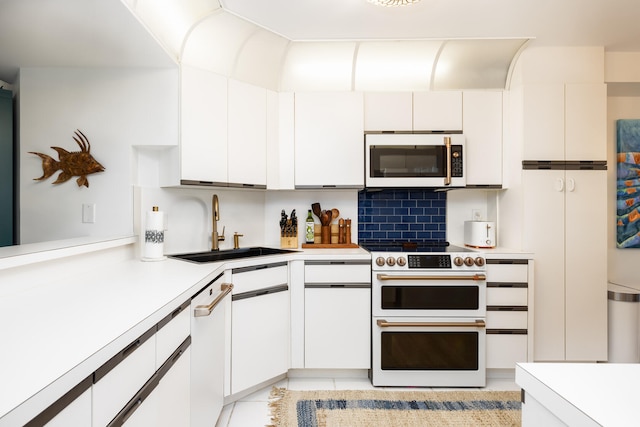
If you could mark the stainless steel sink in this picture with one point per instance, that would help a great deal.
(214, 256)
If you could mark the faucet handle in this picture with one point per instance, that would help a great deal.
(236, 240)
(221, 236)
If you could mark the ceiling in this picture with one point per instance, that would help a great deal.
(72, 33)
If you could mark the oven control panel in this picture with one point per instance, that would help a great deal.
(429, 261)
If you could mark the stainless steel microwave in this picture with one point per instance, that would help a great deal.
(414, 160)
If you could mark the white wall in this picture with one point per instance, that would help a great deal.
(116, 109)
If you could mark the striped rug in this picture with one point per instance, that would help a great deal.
(370, 408)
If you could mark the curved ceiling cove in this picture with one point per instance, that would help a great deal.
(202, 34)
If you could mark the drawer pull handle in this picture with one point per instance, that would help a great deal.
(205, 310)
(132, 347)
(384, 324)
(475, 277)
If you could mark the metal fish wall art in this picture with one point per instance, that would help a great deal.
(71, 163)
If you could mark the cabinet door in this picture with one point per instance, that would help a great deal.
(338, 328)
(482, 127)
(586, 121)
(259, 339)
(543, 234)
(586, 266)
(437, 110)
(203, 113)
(390, 111)
(75, 414)
(543, 114)
(247, 139)
(329, 139)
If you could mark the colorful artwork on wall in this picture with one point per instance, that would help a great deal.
(628, 184)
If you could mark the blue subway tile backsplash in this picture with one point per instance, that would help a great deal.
(401, 214)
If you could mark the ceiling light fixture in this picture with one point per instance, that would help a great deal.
(393, 3)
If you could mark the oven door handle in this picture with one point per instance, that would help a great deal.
(384, 324)
(475, 277)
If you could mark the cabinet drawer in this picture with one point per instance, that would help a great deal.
(337, 272)
(505, 350)
(506, 319)
(507, 296)
(172, 330)
(113, 389)
(248, 279)
(510, 273)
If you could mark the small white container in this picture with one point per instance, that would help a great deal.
(480, 234)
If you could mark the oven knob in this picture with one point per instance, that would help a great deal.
(391, 261)
(402, 261)
(468, 261)
(479, 261)
(379, 261)
(458, 261)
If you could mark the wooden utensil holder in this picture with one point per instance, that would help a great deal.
(325, 234)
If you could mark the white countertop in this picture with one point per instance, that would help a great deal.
(58, 328)
(584, 394)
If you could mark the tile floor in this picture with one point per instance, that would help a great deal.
(253, 411)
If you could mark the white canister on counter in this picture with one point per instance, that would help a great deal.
(153, 249)
(480, 234)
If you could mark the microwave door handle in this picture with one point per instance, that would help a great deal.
(447, 144)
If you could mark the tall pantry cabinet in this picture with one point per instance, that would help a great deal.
(565, 195)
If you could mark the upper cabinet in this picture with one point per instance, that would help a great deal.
(565, 121)
(247, 139)
(482, 128)
(224, 131)
(329, 140)
(203, 146)
(413, 111)
(437, 111)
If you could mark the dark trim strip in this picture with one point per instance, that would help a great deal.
(59, 405)
(507, 285)
(257, 267)
(347, 262)
(338, 286)
(564, 164)
(207, 285)
(260, 292)
(507, 331)
(507, 261)
(123, 354)
(169, 317)
(507, 308)
(137, 400)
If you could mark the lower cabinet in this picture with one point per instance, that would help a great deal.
(260, 313)
(509, 311)
(337, 315)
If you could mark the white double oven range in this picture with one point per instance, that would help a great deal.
(428, 306)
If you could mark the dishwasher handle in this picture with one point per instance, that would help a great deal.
(205, 310)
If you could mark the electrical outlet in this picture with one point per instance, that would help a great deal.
(476, 214)
(89, 213)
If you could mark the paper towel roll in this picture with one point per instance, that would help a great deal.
(154, 236)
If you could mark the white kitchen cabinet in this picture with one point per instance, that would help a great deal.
(337, 314)
(209, 308)
(509, 313)
(388, 111)
(565, 213)
(565, 122)
(259, 325)
(482, 128)
(203, 115)
(329, 140)
(247, 134)
(439, 111)
(413, 111)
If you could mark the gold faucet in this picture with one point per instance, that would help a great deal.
(215, 214)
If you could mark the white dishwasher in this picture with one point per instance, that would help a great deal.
(208, 308)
